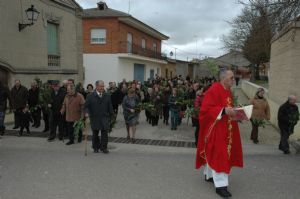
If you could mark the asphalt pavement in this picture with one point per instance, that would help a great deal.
(32, 168)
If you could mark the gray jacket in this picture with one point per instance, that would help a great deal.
(99, 109)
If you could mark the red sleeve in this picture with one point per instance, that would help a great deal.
(211, 105)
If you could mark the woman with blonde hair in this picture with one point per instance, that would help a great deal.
(261, 112)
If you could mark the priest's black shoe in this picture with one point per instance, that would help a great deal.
(222, 191)
(69, 143)
(104, 151)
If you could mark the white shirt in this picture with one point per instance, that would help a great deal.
(99, 94)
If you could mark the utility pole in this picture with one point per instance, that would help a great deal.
(175, 53)
(196, 37)
(128, 6)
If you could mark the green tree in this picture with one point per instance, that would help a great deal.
(213, 67)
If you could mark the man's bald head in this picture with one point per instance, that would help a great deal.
(292, 99)
(226, 78)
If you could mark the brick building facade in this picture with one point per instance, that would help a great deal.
(118, 46)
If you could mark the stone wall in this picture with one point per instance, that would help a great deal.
(285, 64)
(26, 50)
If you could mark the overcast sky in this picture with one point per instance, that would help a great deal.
(195, 27)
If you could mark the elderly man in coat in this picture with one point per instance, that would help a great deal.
(98, 108)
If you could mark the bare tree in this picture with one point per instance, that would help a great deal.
(254, 28)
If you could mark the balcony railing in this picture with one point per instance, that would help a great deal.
(126, 47)
(53, 60)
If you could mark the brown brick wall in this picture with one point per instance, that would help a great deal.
(116, 33)
(138, 36)
(112, 34)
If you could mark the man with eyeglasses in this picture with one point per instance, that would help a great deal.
(219, 146)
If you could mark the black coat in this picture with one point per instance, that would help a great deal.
(57, 102)
(286, 113)
(33, 97)
(25, 118)
(116, 97)
(19, 97)
(100, 110)
(4, 95)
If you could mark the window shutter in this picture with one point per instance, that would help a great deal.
(52, 39)
(98, 36)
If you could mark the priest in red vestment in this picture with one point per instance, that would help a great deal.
(219, 145)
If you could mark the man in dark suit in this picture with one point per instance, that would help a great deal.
(19, 97)
(33, 101)
(56, 119)
(98, 108)
(288, 116)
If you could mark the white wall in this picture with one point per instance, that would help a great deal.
(109, 67)
(152, 66)
(126, 68)
(100, 67)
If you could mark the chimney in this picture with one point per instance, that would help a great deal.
(102, 5)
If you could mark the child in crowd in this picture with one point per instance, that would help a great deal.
(26, 118)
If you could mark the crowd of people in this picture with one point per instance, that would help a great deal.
(208, 102)
(61, 104)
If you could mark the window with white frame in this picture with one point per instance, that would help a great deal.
(143, 43)
(98, 36)
(154, 47)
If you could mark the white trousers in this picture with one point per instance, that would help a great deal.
(220, 179)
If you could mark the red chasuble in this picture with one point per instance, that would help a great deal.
(219, 142)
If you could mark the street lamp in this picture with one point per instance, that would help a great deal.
(32, 15)
(171, 53)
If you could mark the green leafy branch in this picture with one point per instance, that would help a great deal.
(78, 127)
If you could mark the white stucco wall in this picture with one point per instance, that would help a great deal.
(100, 67)
(110, 67)
(126, 68)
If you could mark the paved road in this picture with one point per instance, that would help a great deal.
(32, 168)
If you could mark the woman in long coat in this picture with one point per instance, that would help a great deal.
(261, 112)
(131, 114)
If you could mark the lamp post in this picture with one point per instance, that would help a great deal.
(32, 15)
(171, 53)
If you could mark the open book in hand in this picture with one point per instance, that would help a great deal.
(243, 113)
